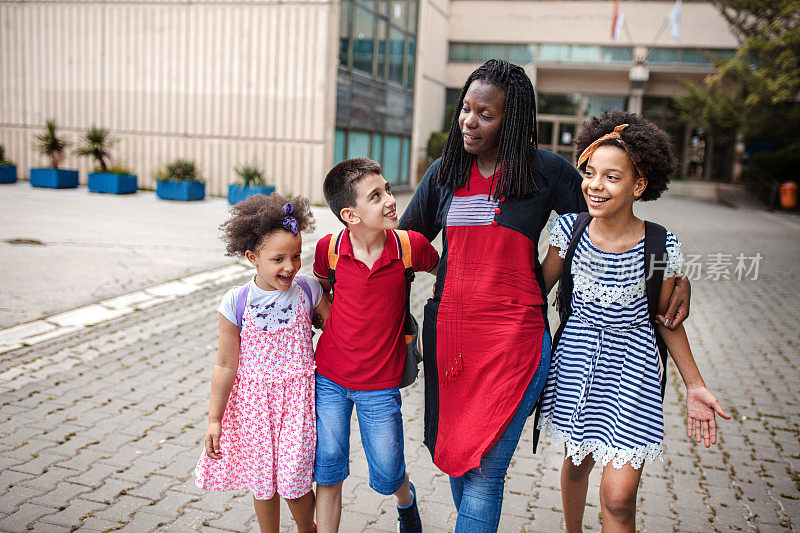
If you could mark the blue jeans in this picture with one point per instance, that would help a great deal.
(381, 425)
(478, 494)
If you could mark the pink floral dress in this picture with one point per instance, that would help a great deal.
(269, 426)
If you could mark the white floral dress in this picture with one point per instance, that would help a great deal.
(603, 392)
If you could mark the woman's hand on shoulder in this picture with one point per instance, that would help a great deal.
(678, 308)
(213, 434)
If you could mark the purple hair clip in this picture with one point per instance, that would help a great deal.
(289, 222)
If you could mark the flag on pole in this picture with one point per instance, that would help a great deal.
(675, 21)
(617, 18)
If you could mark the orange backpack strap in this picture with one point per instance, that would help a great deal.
(405, 246)
(333, 251)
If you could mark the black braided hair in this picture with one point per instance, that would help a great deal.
(517, 143)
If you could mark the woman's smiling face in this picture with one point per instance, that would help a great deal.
(481, 117)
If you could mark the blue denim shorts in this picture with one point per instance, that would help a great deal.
(381, 425)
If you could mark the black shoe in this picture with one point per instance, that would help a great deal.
(409, 521)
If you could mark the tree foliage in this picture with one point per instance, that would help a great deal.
(757, 91)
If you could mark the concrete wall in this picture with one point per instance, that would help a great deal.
(430, 84)
(222, 83)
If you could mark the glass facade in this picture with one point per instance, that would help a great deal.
(579, 53)
(375, 97)
(372, 32)
(528, 53)
(393, 152)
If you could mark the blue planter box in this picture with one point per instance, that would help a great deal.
(54, 178)
(237, 193)
(184, 190)
(8, 174)
(108, 182)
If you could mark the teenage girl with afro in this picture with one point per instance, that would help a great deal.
(485, 336)
(603, 397)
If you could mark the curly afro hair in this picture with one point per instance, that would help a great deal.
(261, 215)
(648, 144)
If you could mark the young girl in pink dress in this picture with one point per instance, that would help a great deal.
(261, 426)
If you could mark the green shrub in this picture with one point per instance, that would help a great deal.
(179, 170)
(51, 145)
(97, 143)
(3, 161)
(780, 165)
(435, 146)
(251, 175)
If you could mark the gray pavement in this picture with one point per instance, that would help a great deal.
(105, 430)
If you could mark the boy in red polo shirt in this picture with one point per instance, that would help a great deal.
(361, 353)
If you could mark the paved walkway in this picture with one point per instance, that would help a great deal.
(100, 428)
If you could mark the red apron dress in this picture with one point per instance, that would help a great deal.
(489, 328)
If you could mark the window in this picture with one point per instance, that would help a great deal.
(391, 158)
(412, 50)
(396, 55)
(554, 52)
(377, 148)
(357, 144)
(338, 147)
(363, 40)
(383, 30)
(596, 104)
(344, 33)
(405, 155)
(491, 51)
(559, 104)
(565, 133)
(586, 54)
(521, 53)
(545, 132)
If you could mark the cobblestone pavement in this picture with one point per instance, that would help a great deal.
(100, 429)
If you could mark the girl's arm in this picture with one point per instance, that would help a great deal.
(700, 403)
(551, 268)
(221, 383)
(322, 311)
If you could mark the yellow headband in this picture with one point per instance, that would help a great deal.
(613, 135)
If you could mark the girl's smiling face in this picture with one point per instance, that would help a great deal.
(277, 260)
(481, 117)
(610, 183)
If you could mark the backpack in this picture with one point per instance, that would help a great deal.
(241, 299)
(410, 326)
(655, 260)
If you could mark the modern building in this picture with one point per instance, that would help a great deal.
(294, 86)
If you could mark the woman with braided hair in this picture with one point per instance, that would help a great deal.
(486, 341)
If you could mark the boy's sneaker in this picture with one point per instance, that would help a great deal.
(409, 521)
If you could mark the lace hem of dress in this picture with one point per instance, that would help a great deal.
(618, 457)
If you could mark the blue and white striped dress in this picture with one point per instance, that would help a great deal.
(603, 392)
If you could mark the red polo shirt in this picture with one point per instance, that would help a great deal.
(363, 347)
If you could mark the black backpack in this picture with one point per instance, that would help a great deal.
(655, 261)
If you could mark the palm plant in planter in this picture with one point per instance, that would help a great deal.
(97, 143)
(8, 170)
(252, 182)
(180, 180)
(53, 147)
